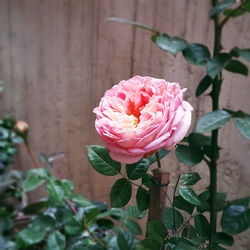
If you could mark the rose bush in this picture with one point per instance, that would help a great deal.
(141, 115)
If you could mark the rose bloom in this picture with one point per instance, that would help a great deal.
(137, 117)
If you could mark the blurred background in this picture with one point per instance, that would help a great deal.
(57, 58)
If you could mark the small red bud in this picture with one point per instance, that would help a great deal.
(21, 127)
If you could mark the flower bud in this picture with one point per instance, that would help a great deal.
(21, 127)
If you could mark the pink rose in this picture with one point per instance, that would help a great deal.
(140, 116)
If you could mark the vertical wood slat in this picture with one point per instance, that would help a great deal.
(158, 194)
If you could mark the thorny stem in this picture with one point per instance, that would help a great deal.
(215, 106)
(175, 188)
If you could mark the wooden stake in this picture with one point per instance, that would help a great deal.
(158, 194)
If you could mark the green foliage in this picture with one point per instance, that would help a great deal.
(133, 226)
(217, 63)
(237, 67)
(120, 193)
(100, 160)
(223, 238)
(8, 141)
(224, 4)
(243, 125)
(241, 9)
(137, 170)
(204, 84)
(190, 155)
(139, 25)
(190, 178)
(244, 53)
(235, 219)
(196, 53)
(142, 199)
(168, 218)
(171, 44)
(201, 225)
(182, 204)
(190, 196)
(212, 121)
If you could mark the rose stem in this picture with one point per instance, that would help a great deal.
(216, 86)
(157, 156)
(173, 205)
(31, 154)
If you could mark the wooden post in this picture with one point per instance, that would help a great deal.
(158, 194)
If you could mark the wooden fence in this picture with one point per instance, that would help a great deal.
(57, 58)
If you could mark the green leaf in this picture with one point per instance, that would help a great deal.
(100, 160)
(56, 191)
(190, 178)
(180, 243)
(32, 183)
(142, 198)
(245, 53)
(241, 201)
(90, 217)
(182, 204)
(205, 196)
(56, 241)
(168, 218)
(223, 238)
(189, 232)
(134, 212)
(105, 224)
(204, 84)
(139, 25)
(234, 12)
(190, 196)
(137, 170)
(184, 245)
(149, 244)
(30, 236)
(171, 44)
(147, 180)
(243, 125)
(36, 207)
(217, 63)
(196, 53)
(235, 219)
(80, 200)
(237, 67)
(63, 214)
(212, 120)
(201, 225)
(43, 158)
(125, 240)
(190, 155)
(115, 213)
(120, 193)
(133, 226)
(162, 153)
(73, 227)
(199, 140)
(221, 7)
(156, 229)
(43, 222)
(68, 186)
